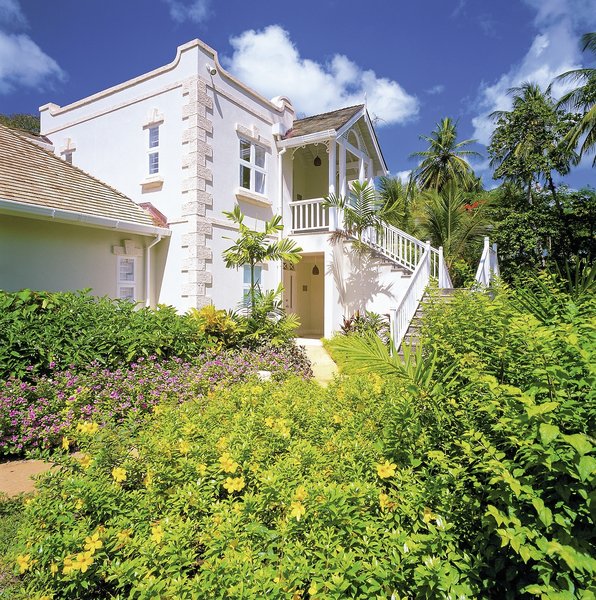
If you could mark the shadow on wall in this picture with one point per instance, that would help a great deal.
(357, 276)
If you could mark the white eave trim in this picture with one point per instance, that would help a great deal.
(311, 138)
(36, 211)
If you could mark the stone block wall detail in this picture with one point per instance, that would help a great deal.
(197, 185)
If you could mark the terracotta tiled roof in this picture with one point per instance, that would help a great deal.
(30, 174)
(330, 120)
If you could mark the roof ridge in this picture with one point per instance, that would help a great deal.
(67, 164)
(330, 112)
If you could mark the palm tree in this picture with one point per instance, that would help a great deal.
(582, 100)
(450, 219)
(253, 247)
(445, 160)
(399, 201)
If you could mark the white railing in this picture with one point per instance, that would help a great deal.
(309, 215)
(426, 263)
(488, 268)
(402, 316)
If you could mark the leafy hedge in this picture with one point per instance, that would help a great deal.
(468, 475)
(41, 331)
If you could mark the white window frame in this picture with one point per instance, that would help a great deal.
(126, 283)
(153, 150)
(252, 166)
(246, 285)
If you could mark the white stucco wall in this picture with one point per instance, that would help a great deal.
(203, 119)
(52, 256)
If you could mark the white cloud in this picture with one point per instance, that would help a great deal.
(196, 11)
(22, 62)
(403, 176)
(269, 62)
(11, 13)
(553, 51)
(436, 89)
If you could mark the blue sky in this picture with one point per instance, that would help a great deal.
(417, 60)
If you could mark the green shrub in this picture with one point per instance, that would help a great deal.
(40, 331)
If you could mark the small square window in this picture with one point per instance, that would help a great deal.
(153, 163)
(153, 137)
(127, 293)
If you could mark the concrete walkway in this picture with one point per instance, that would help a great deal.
(16, 475)
(324, 369)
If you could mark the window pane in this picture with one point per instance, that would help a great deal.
(153, 137)
(246, 275)
(245, 150)
(258, 271)
(259, 182)
(154, 163)
(260, 156)
(127, 292)
(127, 269)
(245, 177)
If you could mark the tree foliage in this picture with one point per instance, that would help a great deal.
(24, 122)
(445, 160)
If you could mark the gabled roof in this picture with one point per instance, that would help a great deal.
(323, 122)
(33, 176)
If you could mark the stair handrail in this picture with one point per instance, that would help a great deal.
(401, 317)
(488, 267)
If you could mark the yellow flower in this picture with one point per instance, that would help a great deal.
(202, 469)
(24, 562)
(234, 484)
(93, 543)
(300, 493)
(313, 589)
(227, 463)
(119, 474)
(148, 480)
(157, 533)
(83, 561)
(428, 515)
(221, 443)
(123, 536)
(384, 501)
(85, 461)
(87, 427)
(157, 409)
(297, 510)
(69, 566)
(184, 447)
(337, 419)
(270, 421)
(386, 470)
(79, 503)
(65, 443)
(53, 568)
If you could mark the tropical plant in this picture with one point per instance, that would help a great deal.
(582, 99)
(445, 161)
(366, 322)
(527, 143)
(362, 209)
(253, 247)
(449, 218)
(400, 201)
(23, 122)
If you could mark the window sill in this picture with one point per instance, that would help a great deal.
(152, 183)
(252, 197)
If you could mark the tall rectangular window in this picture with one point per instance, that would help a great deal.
(153, 150)
(246, 281)
(252, 166)
(127, 278)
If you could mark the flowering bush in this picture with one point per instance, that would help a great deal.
(36, 414)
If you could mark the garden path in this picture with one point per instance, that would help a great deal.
(16, 476)
(324, 369)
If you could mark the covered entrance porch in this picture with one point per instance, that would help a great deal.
(304, 293)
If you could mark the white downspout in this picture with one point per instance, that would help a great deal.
(148, 286)
(280, 206)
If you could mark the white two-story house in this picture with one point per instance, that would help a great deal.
(193, 141)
